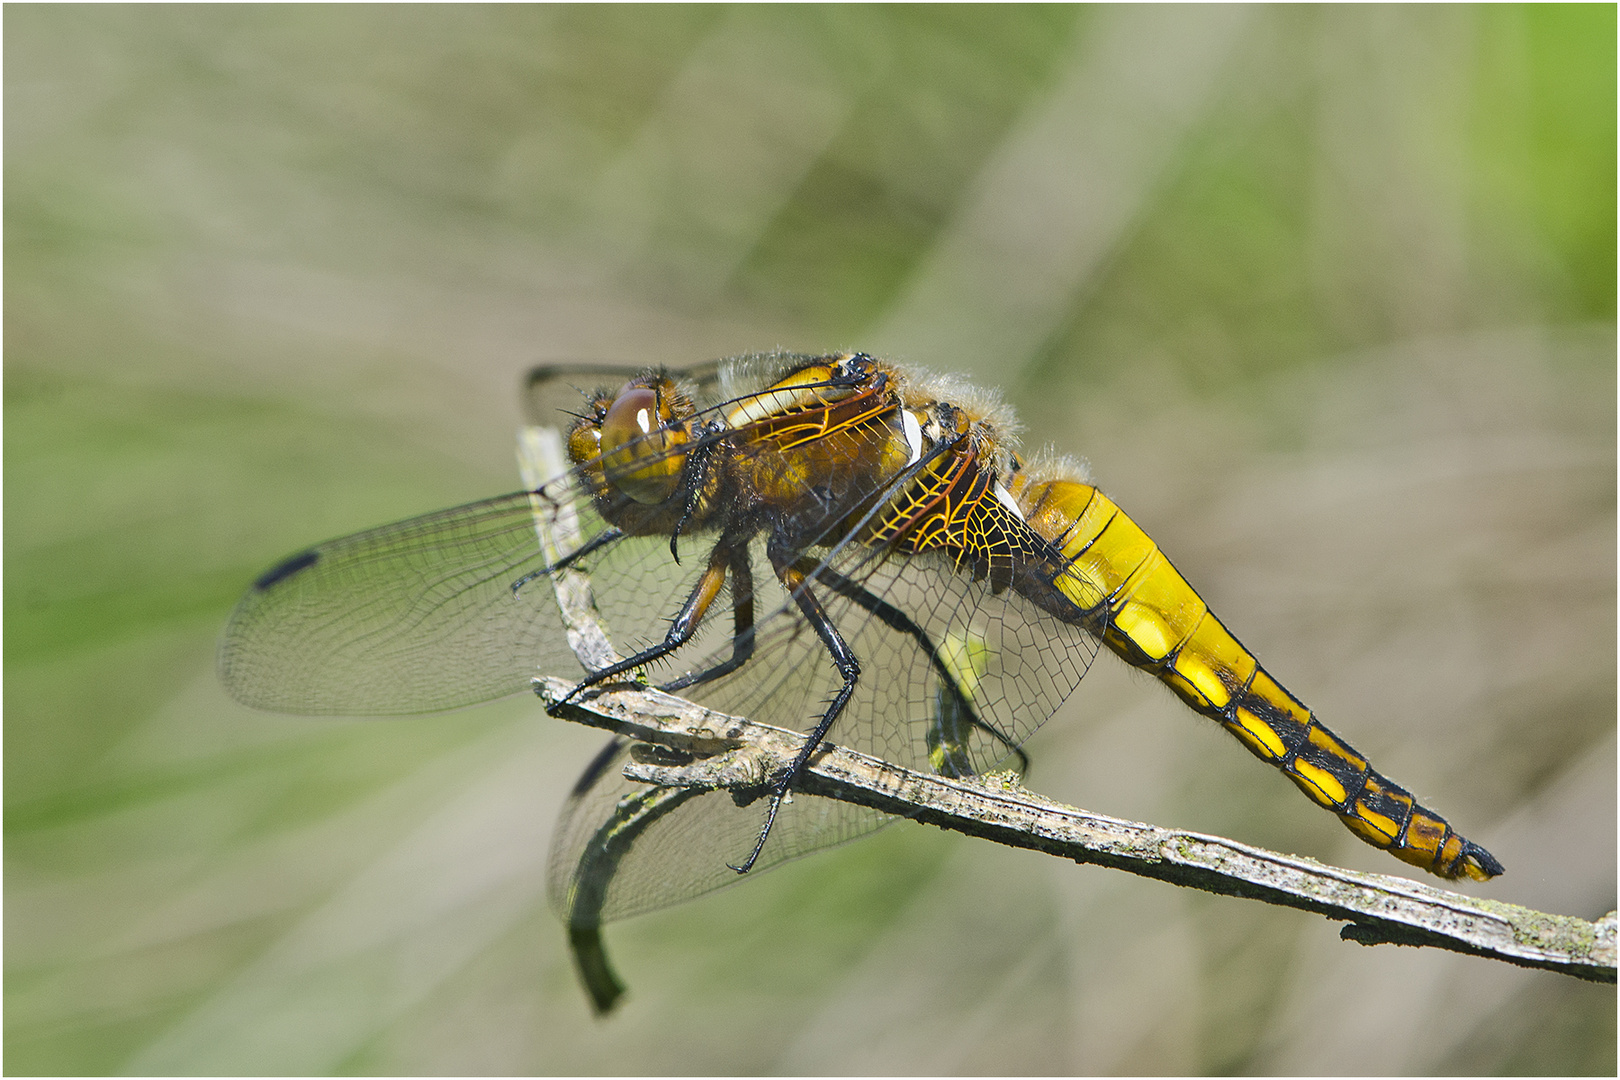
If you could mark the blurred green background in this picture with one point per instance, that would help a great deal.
(1325, 295)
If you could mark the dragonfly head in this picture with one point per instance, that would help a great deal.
(640, 436)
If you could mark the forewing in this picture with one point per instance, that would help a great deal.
(411, 617)
(422, 615)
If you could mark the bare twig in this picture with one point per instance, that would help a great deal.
(738, 753)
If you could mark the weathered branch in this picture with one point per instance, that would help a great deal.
(738, 753)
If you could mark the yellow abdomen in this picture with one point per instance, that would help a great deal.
(1152, 619)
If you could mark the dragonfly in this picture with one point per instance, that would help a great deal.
(835, 544)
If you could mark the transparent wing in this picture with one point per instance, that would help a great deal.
(953, 687)
(956, 690)
(422, 615)
(411, 617)
(622, 848)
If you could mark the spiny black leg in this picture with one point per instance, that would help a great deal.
(681, 629)
(595, 543)
(848, 667)
(899, 621)
(742, 623)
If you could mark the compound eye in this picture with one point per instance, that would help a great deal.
(585, 436)
(640, 450)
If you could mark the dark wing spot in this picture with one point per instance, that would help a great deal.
(599, 765)
(287, 568)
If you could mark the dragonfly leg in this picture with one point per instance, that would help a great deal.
(595, 543)
(742, 621)
(900, 622)
(698, 470)
(681, 629)
(848, 667)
